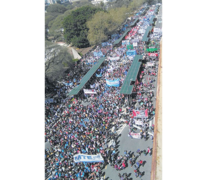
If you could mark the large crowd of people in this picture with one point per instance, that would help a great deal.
(83, 124)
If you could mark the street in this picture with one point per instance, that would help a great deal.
(129, 144)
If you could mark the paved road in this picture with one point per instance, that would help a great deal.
(126, 143)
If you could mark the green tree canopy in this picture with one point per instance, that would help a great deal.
(105, 23)
(56, 8)
(75, 29)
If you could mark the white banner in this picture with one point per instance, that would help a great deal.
(135, 135)
(87, 158)
(157, 30)
(135, 44)
(139, 123)
(89, 91)
(114, 58)
(150, 64)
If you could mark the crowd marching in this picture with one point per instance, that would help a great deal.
(78, 126)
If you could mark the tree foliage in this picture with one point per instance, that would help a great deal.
(57, 65)
(82, 3)
(75, 29)
(150, 2)
(121, 3)
(104, 24)
(56, 8)
(49, 17)
(135, 4)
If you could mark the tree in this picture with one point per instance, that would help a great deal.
(102, 5)
(121, 3)
(60, 62)
(75, 29)
(135, 4)
(58, 1)
(104, 24)
(49, 17)
(56, 8)
(99, 27)
(150, 2)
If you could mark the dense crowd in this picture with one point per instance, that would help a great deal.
(74, 125)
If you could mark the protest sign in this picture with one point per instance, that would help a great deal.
(89, 91)
(114, 83)
(140, 113)
(135, 135)
(87, 158)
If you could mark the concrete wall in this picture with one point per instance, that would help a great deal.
(156, 171)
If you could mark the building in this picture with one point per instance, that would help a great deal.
(50, 1)
(71, 1)
(94, 2)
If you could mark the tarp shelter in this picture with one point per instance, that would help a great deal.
(134, 22)
(145, 38)
(152, 19)
(156, 9)
(131, 53)
(86, 78)
(130, 46)
(120, 39)
(131, 75)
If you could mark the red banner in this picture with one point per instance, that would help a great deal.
(140, 113)
(152, 54)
